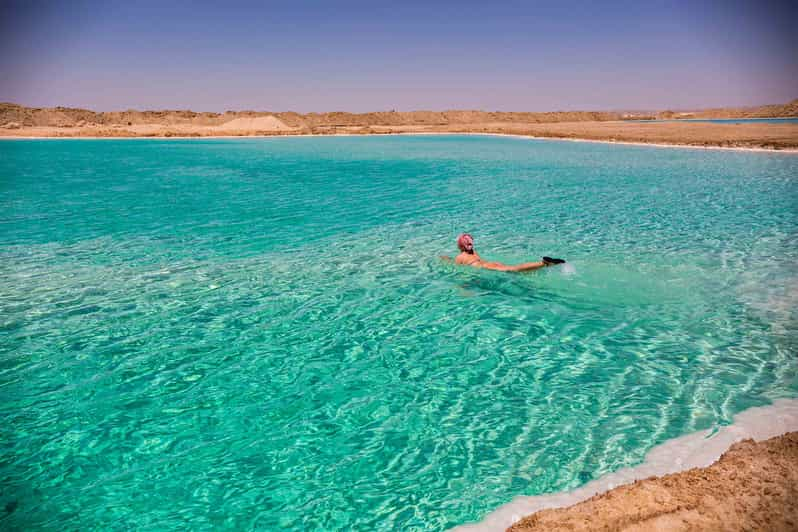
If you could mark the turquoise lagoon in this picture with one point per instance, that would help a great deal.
(258, 334)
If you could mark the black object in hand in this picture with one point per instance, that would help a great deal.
(549, 260)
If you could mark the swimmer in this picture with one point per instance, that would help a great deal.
(469, 257)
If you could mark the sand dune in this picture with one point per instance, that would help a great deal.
(255, 123)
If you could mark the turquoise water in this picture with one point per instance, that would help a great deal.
(257, 333)
(790, 120)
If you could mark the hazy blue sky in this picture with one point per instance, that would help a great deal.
(371, 55)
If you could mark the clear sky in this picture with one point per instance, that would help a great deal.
(371, 55)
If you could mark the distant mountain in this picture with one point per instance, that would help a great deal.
(69, 117)
(763, 111)
(12, 115)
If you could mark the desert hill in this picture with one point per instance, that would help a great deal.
(247, 120)
(614, 126)
(763, 111)
(13, 116)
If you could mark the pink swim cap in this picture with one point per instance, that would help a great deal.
(465, 242)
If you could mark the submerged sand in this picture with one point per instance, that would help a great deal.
(753, 486)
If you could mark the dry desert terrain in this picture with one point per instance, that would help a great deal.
(19, 121)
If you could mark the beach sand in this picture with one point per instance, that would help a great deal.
(689, 456)
(697, 134)
(701, 134)
(753, 486)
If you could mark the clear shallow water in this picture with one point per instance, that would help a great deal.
(257, 333)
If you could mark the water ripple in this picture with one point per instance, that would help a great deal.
(258, 333)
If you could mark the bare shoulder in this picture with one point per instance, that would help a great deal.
(466, 259)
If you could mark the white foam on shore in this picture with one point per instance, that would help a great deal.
(699, 449)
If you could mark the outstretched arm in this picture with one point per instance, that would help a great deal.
(525, 267)
(528, 266)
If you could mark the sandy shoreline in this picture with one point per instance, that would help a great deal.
(420, 133)
(753, 486)
(610, 127)
(620, 499)
(658, 144)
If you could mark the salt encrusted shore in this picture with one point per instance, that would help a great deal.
(411, 133)
(702, 481)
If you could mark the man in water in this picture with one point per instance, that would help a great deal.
(469, 257)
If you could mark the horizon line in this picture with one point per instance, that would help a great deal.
(419, 110)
